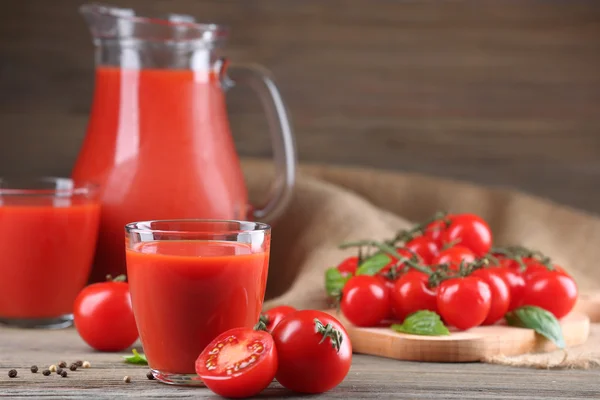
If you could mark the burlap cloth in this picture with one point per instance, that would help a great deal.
(336, 204)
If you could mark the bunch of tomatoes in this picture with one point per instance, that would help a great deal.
(446, 265)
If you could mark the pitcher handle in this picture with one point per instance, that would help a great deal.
(284, 149)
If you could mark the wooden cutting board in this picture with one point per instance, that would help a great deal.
(461, 346)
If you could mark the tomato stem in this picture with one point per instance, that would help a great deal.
(262, 323)
(406, 235)
(329, 331)
(386, 248)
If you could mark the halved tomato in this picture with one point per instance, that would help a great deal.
(240, 362)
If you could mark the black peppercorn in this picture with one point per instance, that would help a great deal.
(79, 363)
(59, 371)
(34, 368)
(73, 367)
(46, 372)
(12, 373)
(150, 375)
(63, 373)
(62, 364)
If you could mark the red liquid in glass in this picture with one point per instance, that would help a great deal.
(46, 255)
(185, 293)
(160, 147)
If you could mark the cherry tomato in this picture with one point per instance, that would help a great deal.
(240, 362)
(425, 247)
(435, 229)
(314, 352)
(500, 294)
(365, 300)
(464, 302)
(389, 284)
(274, 316)
(516, 285)
(470, 231)
(349, 265)
(103, 316)
(411, 293)
(453, 256)
(554, 291)
(394, 261)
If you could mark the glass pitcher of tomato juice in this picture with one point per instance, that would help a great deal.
(158, 139)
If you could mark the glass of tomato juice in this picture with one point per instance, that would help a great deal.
(191, 280)
(48, 232)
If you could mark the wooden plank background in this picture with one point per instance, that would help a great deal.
(495, 92)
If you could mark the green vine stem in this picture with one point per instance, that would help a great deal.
(406, 235)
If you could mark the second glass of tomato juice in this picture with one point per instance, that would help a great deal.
(191, 280)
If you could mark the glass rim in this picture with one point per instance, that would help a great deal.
(134, 227)
(32, 186)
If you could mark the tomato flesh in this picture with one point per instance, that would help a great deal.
(238, 363)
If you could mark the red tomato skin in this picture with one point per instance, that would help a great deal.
(404, 253)
(249, 381)
(424, 247)
(305, 364)
(500, 294)
(470, 231)
(365, 300)
(464, 302)
(103, 316)
(453, 256)
(435, 230)
(276, 314)
(411, 294)
(516, 285)
(349, 265)
(554, 291)
(389, 318)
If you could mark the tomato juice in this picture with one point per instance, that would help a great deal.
(187, 292)
(159, 145)
(46, 253)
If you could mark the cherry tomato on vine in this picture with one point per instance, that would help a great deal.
(365, 300)
(411, 294)
(314, 352)
(516, 285)
(240, 362)
(424, 247)
(453, 256)
(394, 261)
(435, 229)
(274, 316)
(103, 315)
(349, 265)
(464, 302)
(471, 231)
(500, 293)
(554, 291)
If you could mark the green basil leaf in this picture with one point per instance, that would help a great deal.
(335, 281)
(422, 322)
(136, 358)
(540, 320)
(373, 264)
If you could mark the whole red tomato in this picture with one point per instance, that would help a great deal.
(103, 316)
(500, 294)
(365, 300)
(240, 362)
(314, 352)
(453, 256)
(349, 265)
(470, 231)
(516, 285)
(464, 302)
(425, 247)
(554, 291)
(274, 316)
(411, 294)
(394, 261)
(435, 229)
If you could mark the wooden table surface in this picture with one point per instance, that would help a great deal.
(370, 377)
